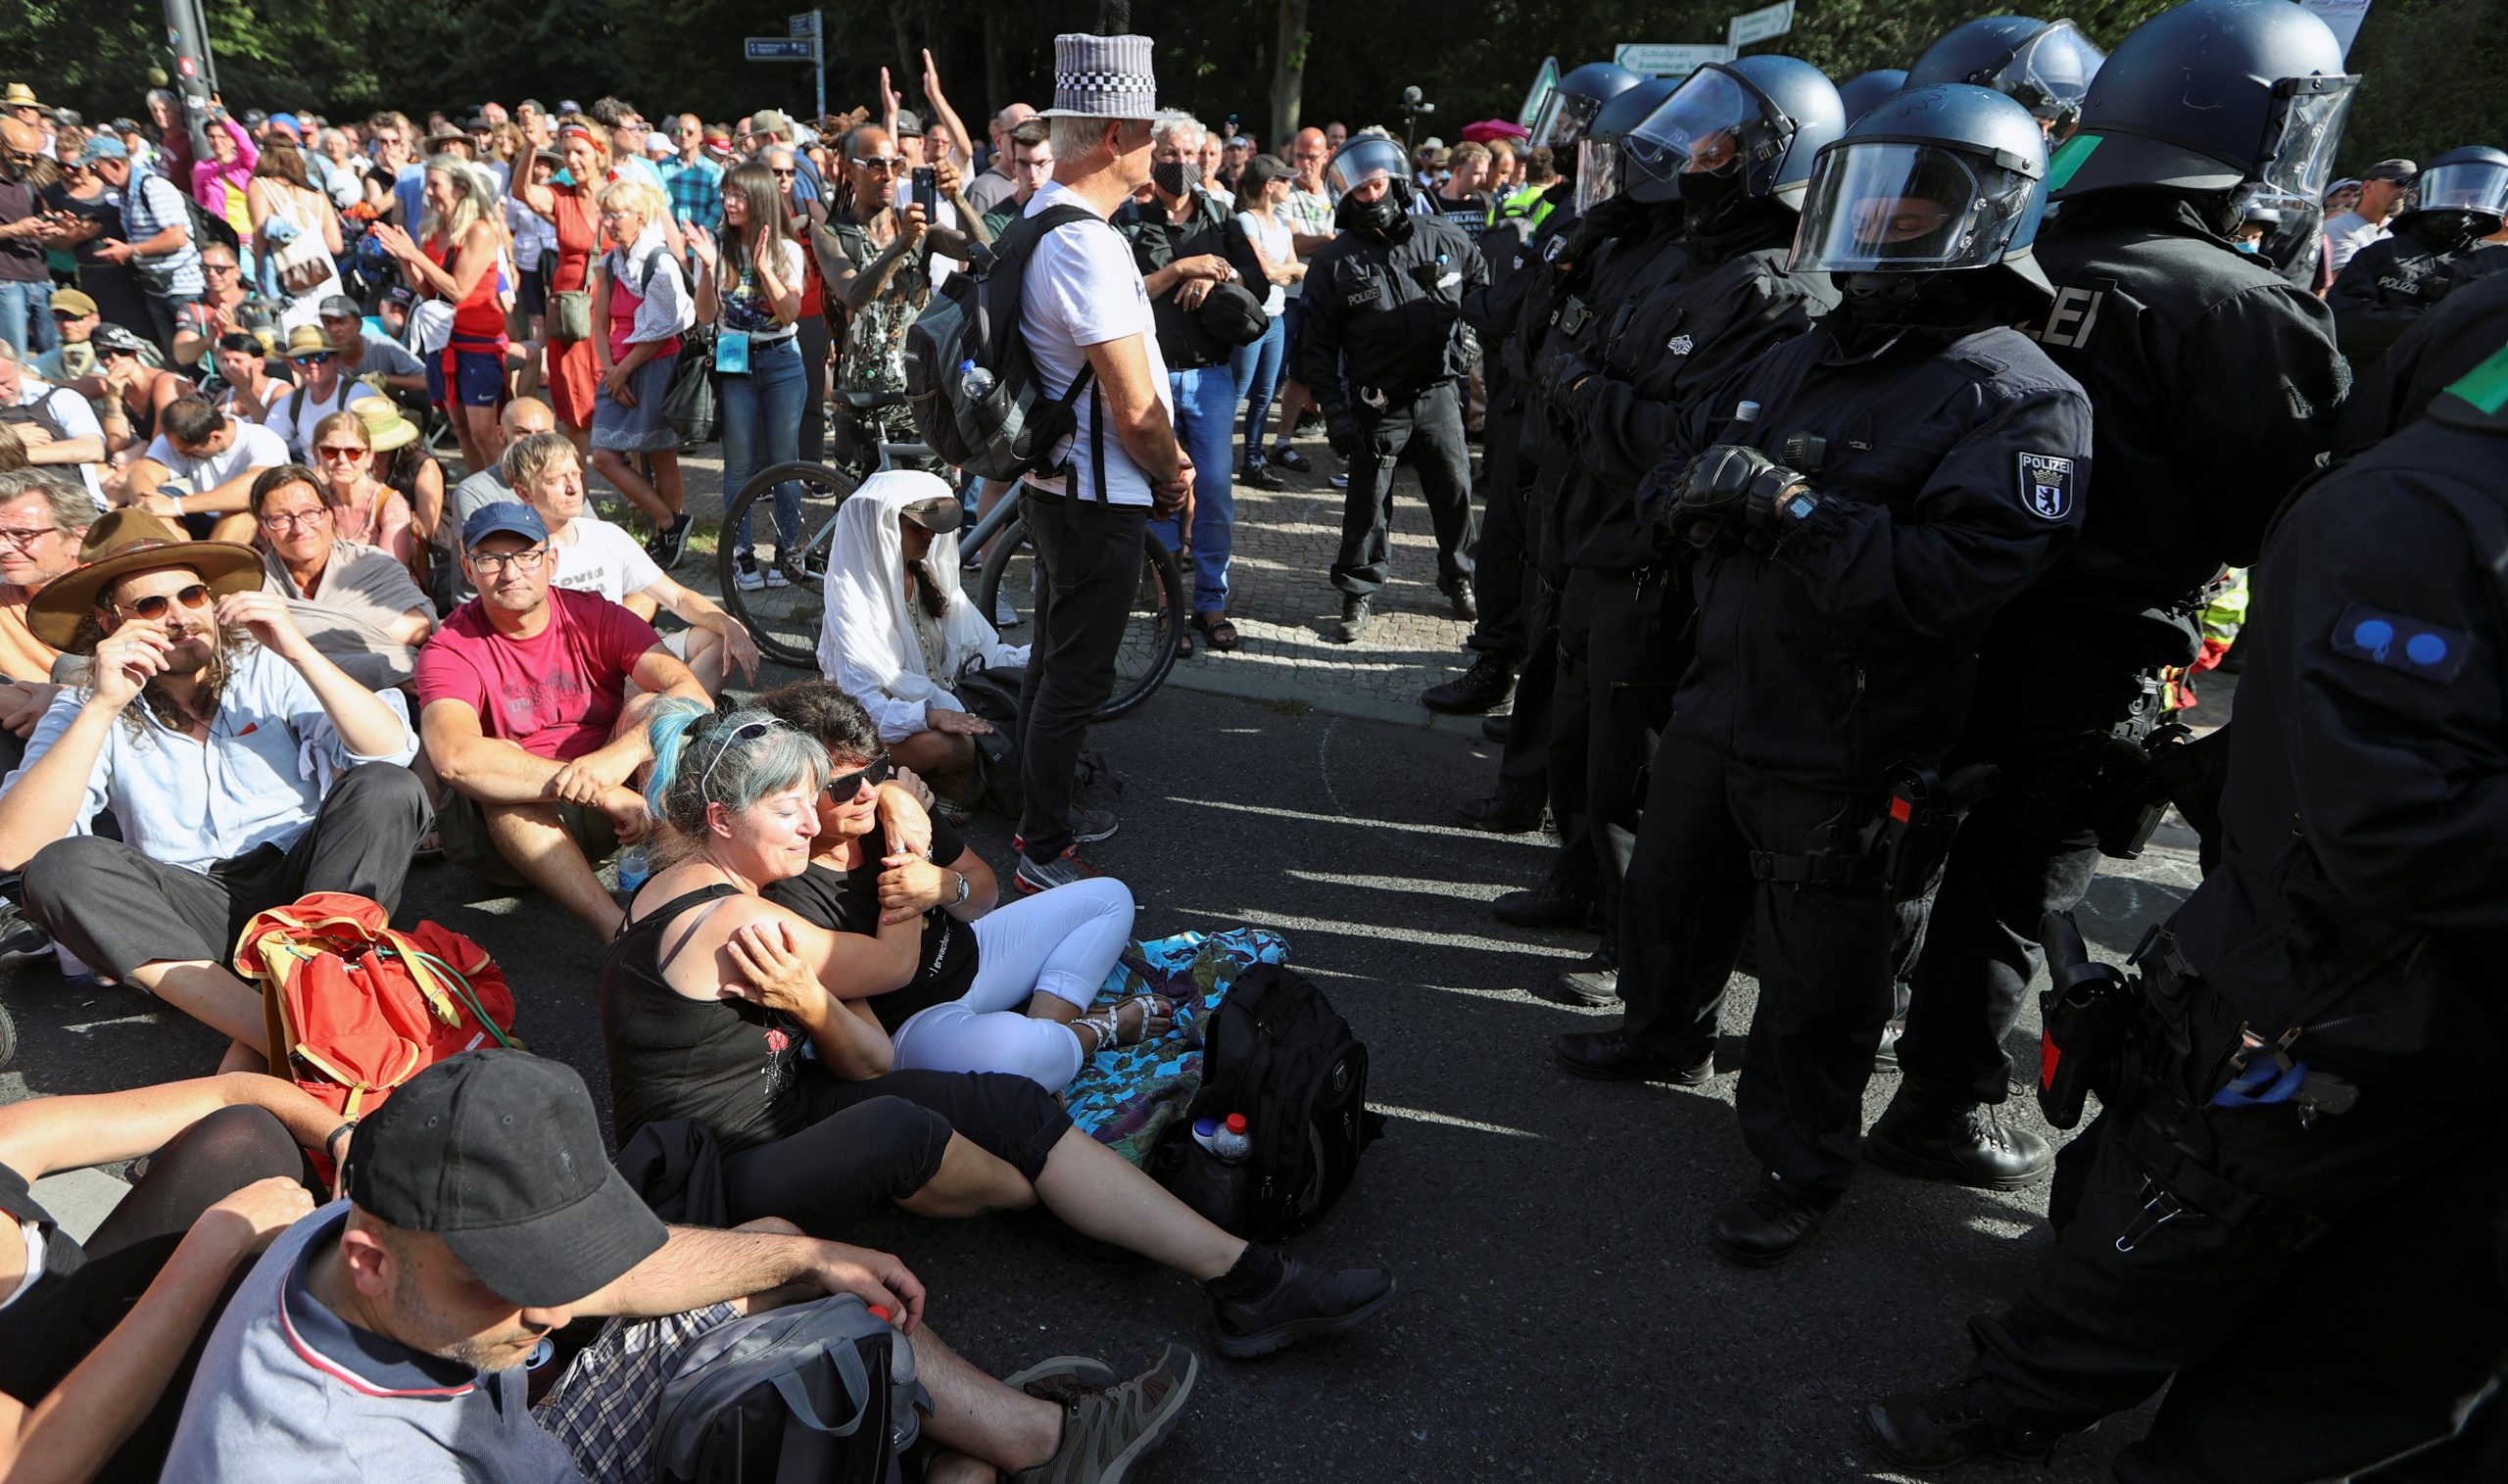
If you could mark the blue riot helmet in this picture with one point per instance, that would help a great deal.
(1865, 91)
(1580, 95)
(2460, 196)
(1937, 180)
(1599, 175)
(2214, 96)
(1747, 128)
(2044, 65)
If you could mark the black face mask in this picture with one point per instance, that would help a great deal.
(1708, 197)
(1171, 180)
(1902, 299)
(2449, 232)
(1376, 218)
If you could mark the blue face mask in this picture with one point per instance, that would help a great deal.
(2249, 245)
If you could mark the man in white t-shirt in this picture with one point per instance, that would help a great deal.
(215, 456)
(2382, 192)
(321, 388)
(595, 557)
(1082, 303)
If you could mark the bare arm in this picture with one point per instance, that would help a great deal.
(495, 771)
(45, 804)
(695, 1268)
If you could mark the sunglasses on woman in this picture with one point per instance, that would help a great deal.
(844, 787)
(348, 451)
(157, 606)
(741, 737)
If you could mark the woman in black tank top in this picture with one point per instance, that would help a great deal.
(710, 991)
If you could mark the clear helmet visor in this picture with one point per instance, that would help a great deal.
(1599, 164)
(1565, 118)
(2050, 74)
(2471, 186)
(1711, 125)
(1881, 207)
(1365, 158)
(2299, 147)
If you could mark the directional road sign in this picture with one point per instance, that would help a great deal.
(1760, 25)
(1661, 60)
(780, 49)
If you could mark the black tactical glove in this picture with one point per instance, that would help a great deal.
(1568, 368)
(1731, 493)
(1343, 435)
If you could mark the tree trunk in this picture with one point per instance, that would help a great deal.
(1288, 71)
(1114, 18)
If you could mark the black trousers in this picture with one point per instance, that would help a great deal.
(1621, 651)
(2291, 1364)
(2028, 849)
(1425, 432)
(116, 909)
(1501, 558)
(1089, 561)
(814, 339)
(1824, 954)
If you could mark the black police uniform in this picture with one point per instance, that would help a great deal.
(2356, 927)
(2215, 384)
(2454, 337)
(2394, 281)
(1954, 472)
(1383, 348)
(1668, 314)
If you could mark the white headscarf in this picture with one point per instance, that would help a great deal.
(866, 641)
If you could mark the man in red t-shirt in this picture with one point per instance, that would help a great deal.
(526, 712)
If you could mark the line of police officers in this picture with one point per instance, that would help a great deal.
(1792, 491)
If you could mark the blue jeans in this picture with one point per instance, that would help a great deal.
(1205, 424)
(26, 317)
(1256, 369)
(761, 426)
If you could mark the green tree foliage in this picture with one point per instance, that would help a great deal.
(2432, 66)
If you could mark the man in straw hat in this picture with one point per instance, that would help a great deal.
(1083, 307)
(323, 387)
(244, 768)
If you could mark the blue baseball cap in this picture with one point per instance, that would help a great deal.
(504, 515)
(102, 147)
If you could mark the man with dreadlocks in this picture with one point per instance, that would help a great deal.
(244, 768)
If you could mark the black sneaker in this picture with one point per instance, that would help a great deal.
(1087, 827)
(1105, 1434)
(1486, 685)
(1289, 458)
(20, 941)
(1261, 476)
(1935, 1429)
(667, 547)
(1501, 815)
(1308, 1302)
(1358, 615)
(1033, 876)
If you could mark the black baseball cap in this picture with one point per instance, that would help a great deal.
(498, 1153)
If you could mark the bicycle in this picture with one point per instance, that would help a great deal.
(785, 619)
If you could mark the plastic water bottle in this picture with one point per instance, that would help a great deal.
(1231, 1142)
(975, 383)
(634, 868)
(1206, 1134)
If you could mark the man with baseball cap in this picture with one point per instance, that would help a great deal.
(244, 768)
(481, 1216)
(2383, 189)
(366, 352)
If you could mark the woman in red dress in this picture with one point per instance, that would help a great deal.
(573, 367)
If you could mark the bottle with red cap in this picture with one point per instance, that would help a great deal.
(1231, 1142)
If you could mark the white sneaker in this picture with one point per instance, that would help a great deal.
(1006, 614)
(775, 578)
(745, 576)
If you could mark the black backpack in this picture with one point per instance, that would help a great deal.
(823, 1390)
(1278, 1052)
(1012, 428)
(993, 695)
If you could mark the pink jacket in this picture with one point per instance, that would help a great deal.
(208, 177)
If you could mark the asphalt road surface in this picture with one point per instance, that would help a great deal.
(1560, 1317)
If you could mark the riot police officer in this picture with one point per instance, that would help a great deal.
(2044, 65)
(1689, 286)
(2216, 384)
(1863, 92)
(2436, 247)
(1384, 350)
(2319, 1031)
(1862, 498)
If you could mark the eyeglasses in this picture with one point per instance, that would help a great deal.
(160, 604)
(847, 786)
(291, 520)
(493, 564)
(347, 450)
(741, 735)
(24, 539)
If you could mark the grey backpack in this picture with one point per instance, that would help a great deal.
(823, 1390)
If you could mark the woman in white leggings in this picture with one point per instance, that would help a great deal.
(988, 989)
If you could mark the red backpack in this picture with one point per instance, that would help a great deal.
(355, 1009)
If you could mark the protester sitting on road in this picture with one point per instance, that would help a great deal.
(482, 488)
(523, 698)
(1003, 990)
(344, 449)
(711, 993)
(322, 388)
(370, 355)
(899, 628)
(215, 457)
(132, 396)
(43, 517)
(96, 1337)
(244, 768)
(398, 1323)
(246, 388)
(55, 424)
(351, 601)
(596, 557)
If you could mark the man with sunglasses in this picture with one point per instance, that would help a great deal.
(25, 280)
(523, 699)
(244, 768)
(215, 458)
(322, 388)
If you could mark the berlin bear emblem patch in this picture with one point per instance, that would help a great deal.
(2047, 485)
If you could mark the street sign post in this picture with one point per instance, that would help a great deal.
(1665, 60)
(1760, 25)
(804, 44)
(779, 49)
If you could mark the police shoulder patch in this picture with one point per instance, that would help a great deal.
(2047, 485)
(2398, 642)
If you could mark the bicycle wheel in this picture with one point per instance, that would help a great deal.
(782, 615)
(1151, 634)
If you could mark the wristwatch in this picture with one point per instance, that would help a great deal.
(965, 888)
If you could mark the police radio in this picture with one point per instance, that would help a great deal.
(2083, 1015)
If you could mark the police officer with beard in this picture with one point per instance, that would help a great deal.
(2216, 384)
(1688, 286)
(1861, 501)
(2437, 246)
(1384, 350)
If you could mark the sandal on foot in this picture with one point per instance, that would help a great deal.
(1217, 630)
(1108, 1023)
